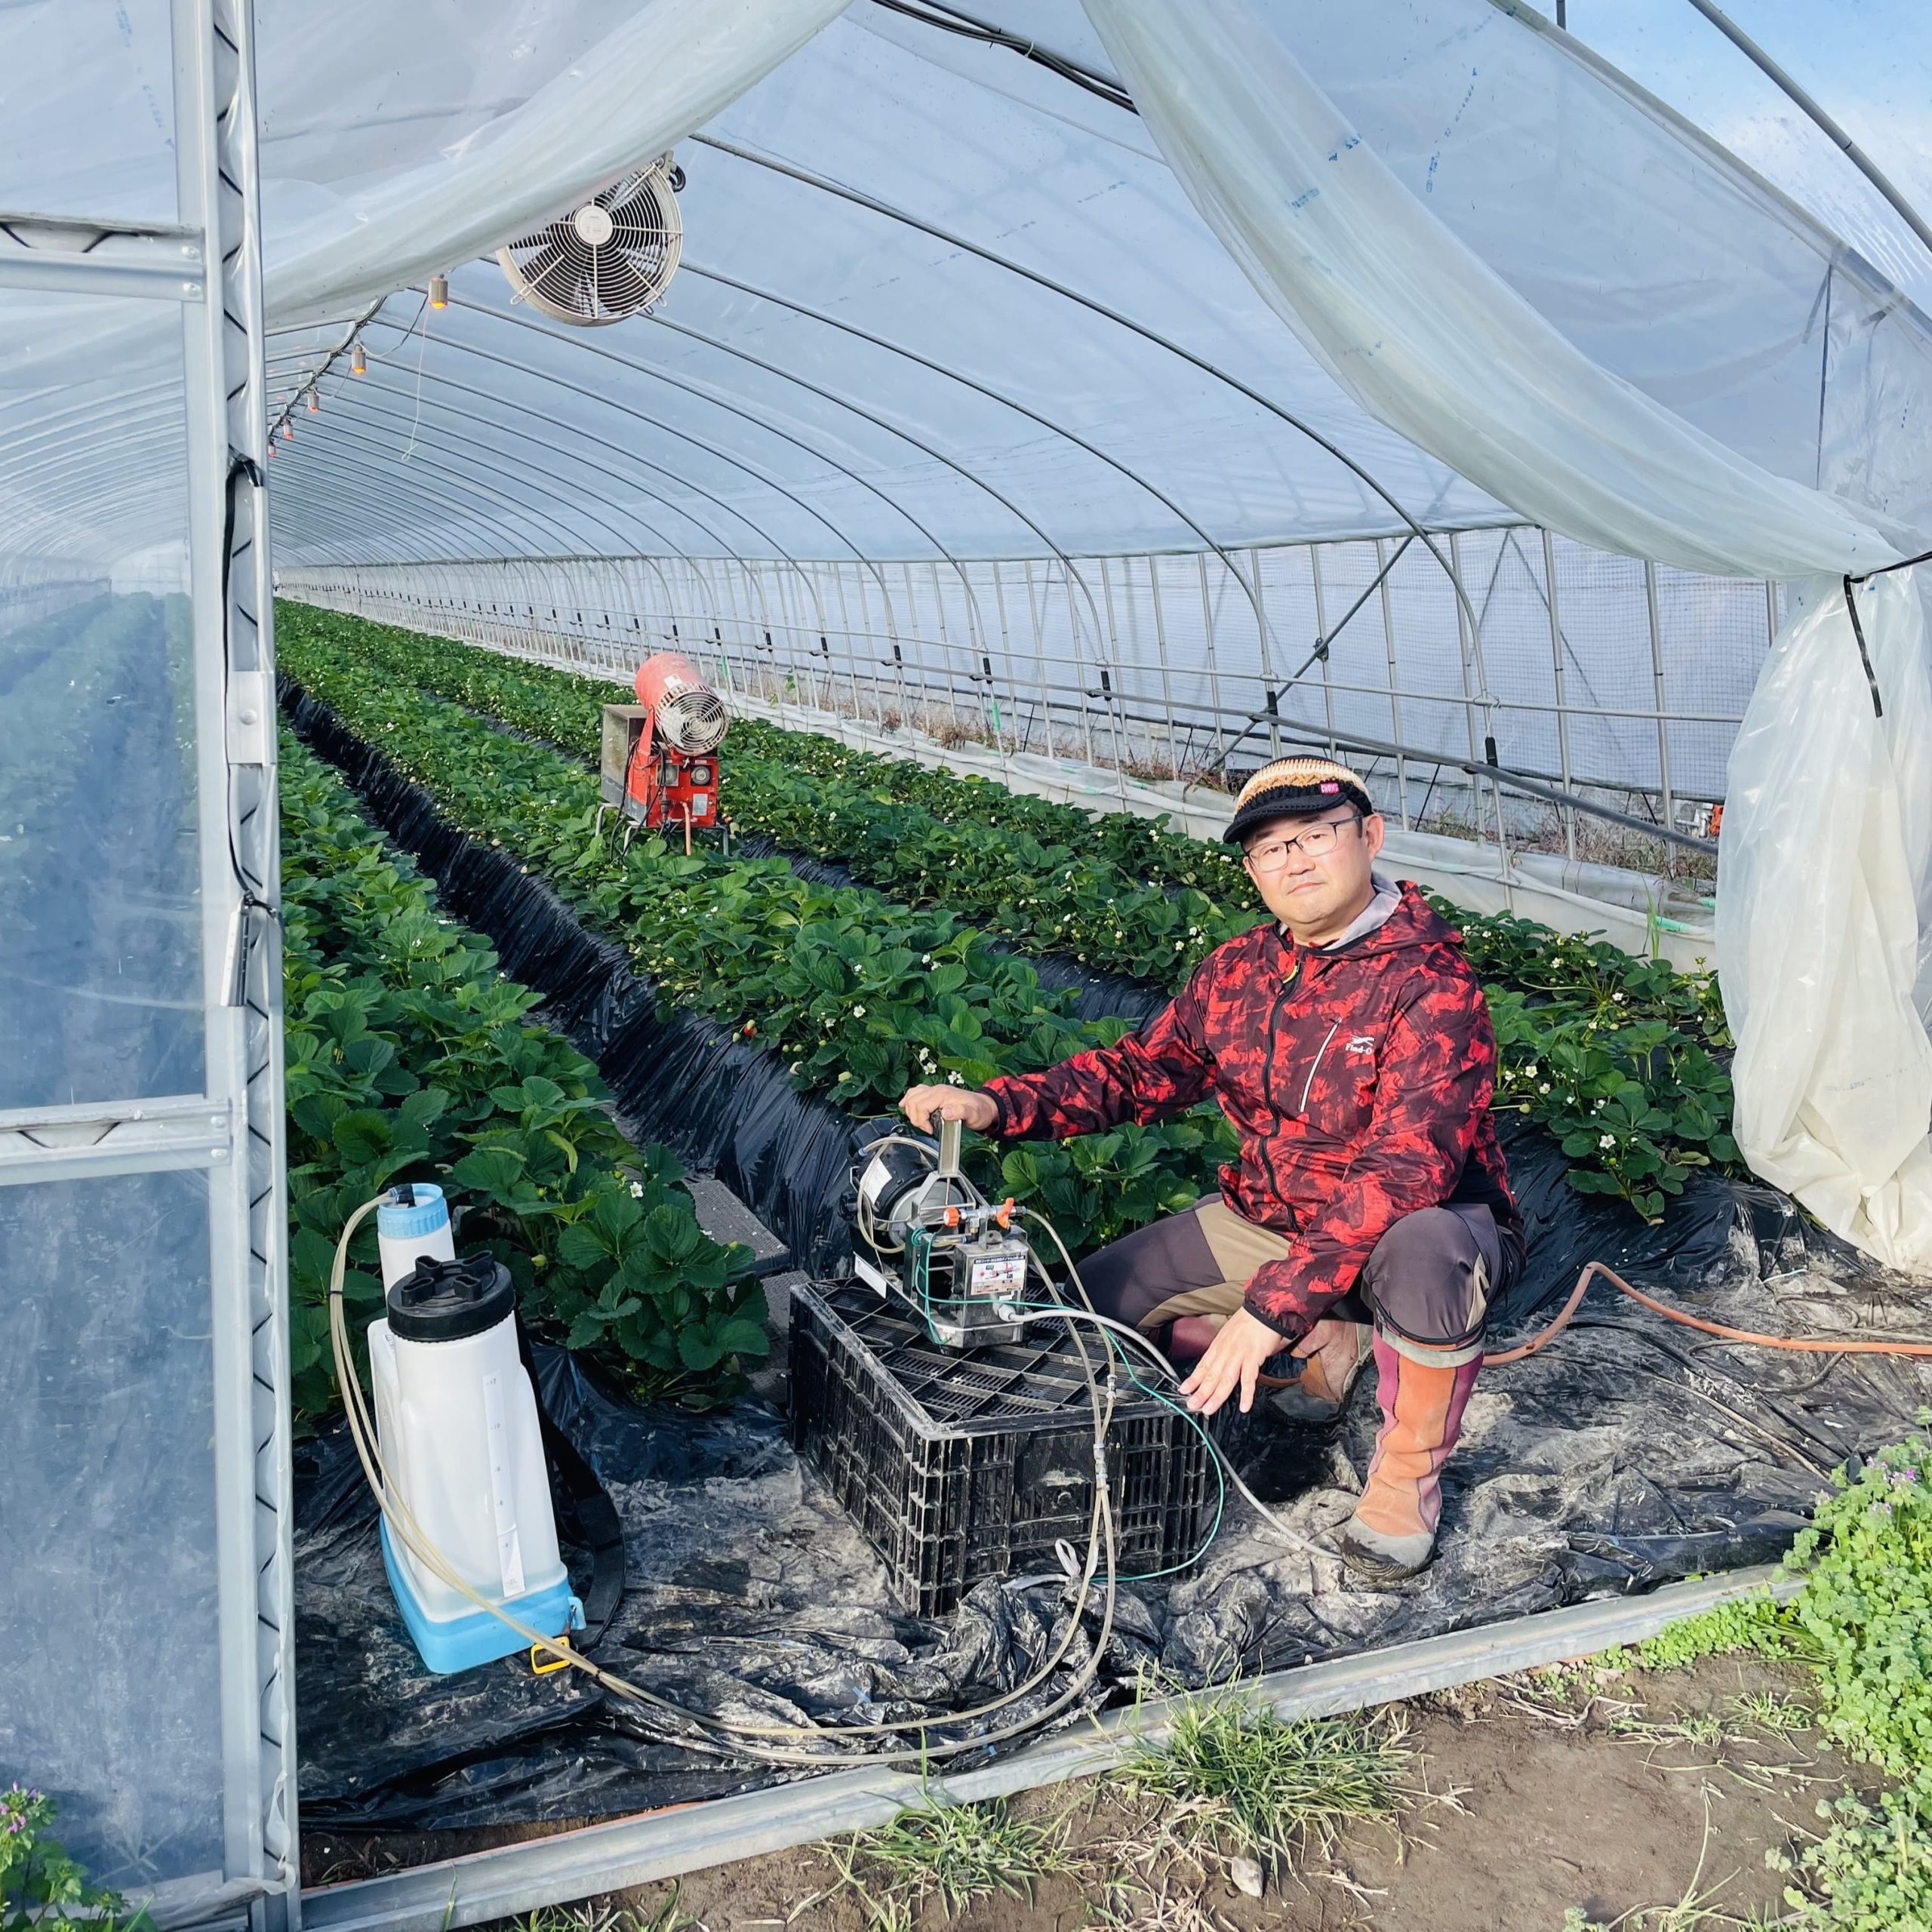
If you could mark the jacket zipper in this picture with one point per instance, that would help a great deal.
(1267, 1093)
(1314, 1063)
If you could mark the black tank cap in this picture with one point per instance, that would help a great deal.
(447, 1301)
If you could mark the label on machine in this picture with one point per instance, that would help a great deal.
(1003, 1276)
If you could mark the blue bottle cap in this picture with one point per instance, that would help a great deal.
(425, 1217)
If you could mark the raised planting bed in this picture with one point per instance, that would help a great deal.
(1595, 1466)
(1622, 1060)
(411, 1056)
(857, 996)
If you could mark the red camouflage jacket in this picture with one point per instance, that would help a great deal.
(1359, 1080)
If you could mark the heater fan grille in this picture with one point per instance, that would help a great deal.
(693, 721)
(611, 257)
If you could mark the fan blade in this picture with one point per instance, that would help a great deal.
(623, 285)
(640, 204)
(573, 274)
(544, 237)
(538, 268)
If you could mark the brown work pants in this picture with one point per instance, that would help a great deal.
(1429, 1280)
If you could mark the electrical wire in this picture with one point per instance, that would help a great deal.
(694, 1729)
(1107, 1322)
(952, 19)
(1810, 1345)
(735, 1735)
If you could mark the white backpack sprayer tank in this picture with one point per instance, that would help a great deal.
(456, 1422)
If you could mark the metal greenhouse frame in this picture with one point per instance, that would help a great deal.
(1044, 460)
(207, 266)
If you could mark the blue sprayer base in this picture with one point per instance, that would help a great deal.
(461, 1643)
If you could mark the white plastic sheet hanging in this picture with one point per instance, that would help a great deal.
(1834, 1070)
(1825, 919)
(670, 66)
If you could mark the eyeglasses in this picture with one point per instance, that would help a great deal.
(1319, 838)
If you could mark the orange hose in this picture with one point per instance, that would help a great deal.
(1745, 1335)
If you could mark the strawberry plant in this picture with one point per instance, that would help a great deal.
(408, 1054)
(860, 996)
(1620, 1059)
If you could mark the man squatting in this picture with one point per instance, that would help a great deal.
(1369, 1211)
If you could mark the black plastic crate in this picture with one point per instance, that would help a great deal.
(960, 1466)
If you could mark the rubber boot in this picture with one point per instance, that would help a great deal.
(1392, 1534)
(1333, 1353)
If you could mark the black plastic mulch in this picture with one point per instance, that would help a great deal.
(1628, 1453)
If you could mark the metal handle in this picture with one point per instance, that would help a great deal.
(949, 1147)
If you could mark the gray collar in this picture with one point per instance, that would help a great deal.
(1376, 913)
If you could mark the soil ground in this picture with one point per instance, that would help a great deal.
(1649, 1799)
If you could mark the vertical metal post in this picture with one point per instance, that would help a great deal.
(917, 640)
(1107, 606)
(1657, 686)
(1394, 678)
(945, 638)
(232, 615)
(1267, 658)
(1167, 669)
(1562, 700)
(1109, 697)
(1478, 751)
(1040, 662)
(1322, 632)
(1213, 673)
(852, 656)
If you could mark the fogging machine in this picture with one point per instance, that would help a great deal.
(924, 1233)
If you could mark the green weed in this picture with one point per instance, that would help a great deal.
(596, 1916)
(958, 1855)
(1229, 1779)
(1862, 1620)
(40, 1885)
(1757, 1624)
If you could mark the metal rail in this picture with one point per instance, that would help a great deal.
(628, 1852)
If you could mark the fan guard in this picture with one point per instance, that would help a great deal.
(612, 257)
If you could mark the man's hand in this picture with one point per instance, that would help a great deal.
(924, 1105)
(1233, 1361)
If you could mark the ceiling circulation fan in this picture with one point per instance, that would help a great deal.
(611, 258)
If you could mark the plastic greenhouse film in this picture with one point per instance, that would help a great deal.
(1427, 337)
(1830, 809)
(1422, 332)
(669, 68)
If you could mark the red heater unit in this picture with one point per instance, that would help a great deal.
(660, 760)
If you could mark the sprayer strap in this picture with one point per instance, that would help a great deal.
(585, 1514)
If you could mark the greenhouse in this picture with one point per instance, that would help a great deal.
(593, 594)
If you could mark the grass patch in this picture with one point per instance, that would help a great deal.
(1862, 1619)
(1766, 1710)
(1229, 1780)
(959, 1855)
(595, 1916)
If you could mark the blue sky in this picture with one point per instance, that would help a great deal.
(1869, 63)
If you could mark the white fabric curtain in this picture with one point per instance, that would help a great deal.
(1826, 860)
(669, 68)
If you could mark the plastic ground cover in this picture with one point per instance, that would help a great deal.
(1628, 1453)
